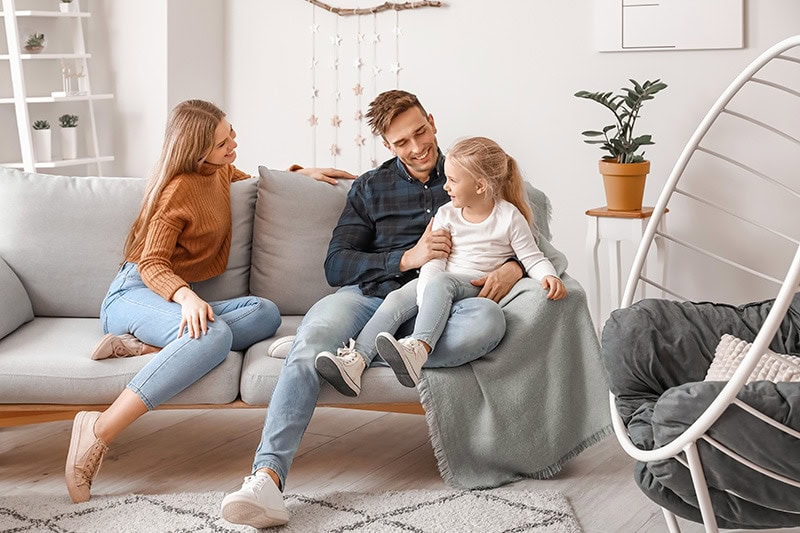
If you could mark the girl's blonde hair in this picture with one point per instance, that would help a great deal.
(188, 139)
(483, 159)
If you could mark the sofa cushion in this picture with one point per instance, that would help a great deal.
(294, 218)
(47, 361)
(15, 306)
(235, 281)
(63, 236)
(260, 374)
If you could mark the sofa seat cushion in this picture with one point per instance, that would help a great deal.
(260, 375)
(47, 361)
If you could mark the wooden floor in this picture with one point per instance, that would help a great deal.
(211, 450)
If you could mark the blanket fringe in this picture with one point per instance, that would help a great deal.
(545, 473)
(436, 437)
(556, 467)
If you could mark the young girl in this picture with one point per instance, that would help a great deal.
(182, 235)
(489, 223)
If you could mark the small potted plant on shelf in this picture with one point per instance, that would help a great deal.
(69, 137)
(35, 43)
(66, 6)
(624, 169)
(42, 140)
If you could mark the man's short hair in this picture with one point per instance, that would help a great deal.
(388, 105)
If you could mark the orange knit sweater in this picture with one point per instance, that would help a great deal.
(189, 236)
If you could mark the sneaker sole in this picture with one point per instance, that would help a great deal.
(249, 514)
(76, 493)
(391, 355)
(331, 373)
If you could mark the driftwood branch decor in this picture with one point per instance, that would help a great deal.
(386, 6)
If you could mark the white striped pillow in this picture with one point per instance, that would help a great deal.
(772, 367)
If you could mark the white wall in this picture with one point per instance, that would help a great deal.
(152, 55)
(507, 70)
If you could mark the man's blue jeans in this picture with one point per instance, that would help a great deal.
(131, 307)
(475, 327)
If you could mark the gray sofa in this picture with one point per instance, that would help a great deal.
(60, 245)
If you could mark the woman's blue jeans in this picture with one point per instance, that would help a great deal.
(474, 328)
(131, 307)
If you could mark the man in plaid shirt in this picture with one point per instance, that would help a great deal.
(381, 240)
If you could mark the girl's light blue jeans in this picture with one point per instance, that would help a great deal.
(400, 305)
(441, 291)
(397, 308)
(131, 307)
(474, 327)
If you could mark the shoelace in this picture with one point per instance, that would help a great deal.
(255, 482)
(87, 472)
(120, 348)
(348, 354)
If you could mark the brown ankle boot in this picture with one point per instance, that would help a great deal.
(117, 346)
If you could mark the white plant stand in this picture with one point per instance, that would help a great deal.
(22, 101)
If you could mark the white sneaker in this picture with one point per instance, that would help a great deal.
(405, 356)
(258, 503)
(342, 370)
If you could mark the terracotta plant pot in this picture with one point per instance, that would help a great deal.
(624, 184)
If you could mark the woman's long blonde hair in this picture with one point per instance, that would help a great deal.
(188, 139)
(483, 159)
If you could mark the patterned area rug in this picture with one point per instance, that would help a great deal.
(418, 511)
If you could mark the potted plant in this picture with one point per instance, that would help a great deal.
(42, 140)
(65, 6)
(624, 169)
(69, 137)
(34, 43)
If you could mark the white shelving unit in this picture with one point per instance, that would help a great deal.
(22, 101)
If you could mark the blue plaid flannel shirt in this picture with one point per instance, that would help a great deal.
(386, 213)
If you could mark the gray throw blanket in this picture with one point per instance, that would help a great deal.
(535, 401)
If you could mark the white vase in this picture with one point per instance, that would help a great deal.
(69, 143)
(65, 7)
(42, 143)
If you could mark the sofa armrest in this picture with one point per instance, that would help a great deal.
(15, 305)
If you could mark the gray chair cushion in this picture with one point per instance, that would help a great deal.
(15, 306)
(293, 222)
(656, 353)
(47, 361)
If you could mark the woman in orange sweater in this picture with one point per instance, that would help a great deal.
(182, 235)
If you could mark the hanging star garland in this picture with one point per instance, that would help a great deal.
(376, 37)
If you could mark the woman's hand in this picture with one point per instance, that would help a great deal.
(328, 175)
(195, 313)
(555, 288)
